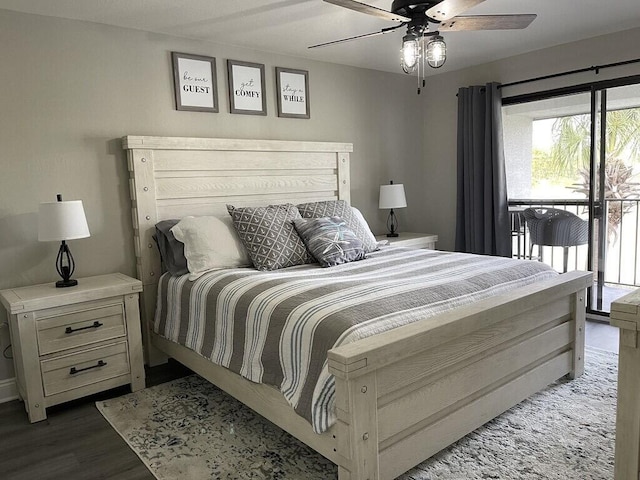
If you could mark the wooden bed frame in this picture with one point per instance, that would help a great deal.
(402, 395)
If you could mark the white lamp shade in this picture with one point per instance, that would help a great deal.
(392, 196)
(62, 221)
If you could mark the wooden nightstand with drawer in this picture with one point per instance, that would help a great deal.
(75, 341)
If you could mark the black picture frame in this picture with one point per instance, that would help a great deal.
(246, 82)
(292, 92)
(195, 82)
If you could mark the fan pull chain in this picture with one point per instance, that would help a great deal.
(424, 60)
(420, 61)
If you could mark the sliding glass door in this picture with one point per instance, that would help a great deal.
(579, 152)
(616, 193)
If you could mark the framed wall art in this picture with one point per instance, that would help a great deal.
(194, 82)
(292, 88)
(246, 88)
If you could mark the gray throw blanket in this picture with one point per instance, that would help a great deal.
(275, 327)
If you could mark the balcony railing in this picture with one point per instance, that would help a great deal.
(621, 256)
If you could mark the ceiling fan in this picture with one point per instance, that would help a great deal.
(417, 15)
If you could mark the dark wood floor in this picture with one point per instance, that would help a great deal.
(76, 442)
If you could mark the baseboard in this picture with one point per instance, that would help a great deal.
(8, 390)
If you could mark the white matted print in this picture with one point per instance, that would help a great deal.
(293, 93)
(194, 81)
(246, 88)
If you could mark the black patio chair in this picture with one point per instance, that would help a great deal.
(555, 228)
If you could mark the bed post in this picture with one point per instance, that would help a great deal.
(144, 216)
(344, 180)
(579, 316)
(357, 423)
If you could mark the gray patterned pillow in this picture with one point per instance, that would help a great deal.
(269, 237)
(329, 240)
(339, 208)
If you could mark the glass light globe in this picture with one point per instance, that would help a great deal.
(410, 53)
(436, 52)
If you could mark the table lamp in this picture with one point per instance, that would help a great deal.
(62, 221)
(392, 196)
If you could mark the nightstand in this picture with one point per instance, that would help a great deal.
(76, 341)
(412, 240)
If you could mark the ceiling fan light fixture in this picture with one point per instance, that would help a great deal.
(410, 53)
(436, 52)
(417, 15)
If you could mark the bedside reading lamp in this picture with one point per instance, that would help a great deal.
(392, 196)
(62, 221)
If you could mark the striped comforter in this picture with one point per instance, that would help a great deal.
(276, 327)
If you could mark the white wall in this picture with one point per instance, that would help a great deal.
(71, 90)
(518, 145)
(438, 195)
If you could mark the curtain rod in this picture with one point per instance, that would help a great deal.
(595, 68)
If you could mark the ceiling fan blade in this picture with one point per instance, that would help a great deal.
(487, 22)
(366, 35)
(447, 9)
(369, 10)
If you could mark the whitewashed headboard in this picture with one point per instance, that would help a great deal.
(172, 177)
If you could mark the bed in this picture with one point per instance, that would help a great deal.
(401, 395)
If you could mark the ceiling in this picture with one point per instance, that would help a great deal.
(290, 26)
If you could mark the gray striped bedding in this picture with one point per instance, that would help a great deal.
(275, 327)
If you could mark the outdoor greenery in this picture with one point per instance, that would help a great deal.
(572, 140)
(544, 169)
(618, 186)
(570, 154)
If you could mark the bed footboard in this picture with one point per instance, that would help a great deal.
(406, 394)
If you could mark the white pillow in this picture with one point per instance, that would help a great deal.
(365, 226)
(209, 243)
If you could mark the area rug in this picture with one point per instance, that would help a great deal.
(189, 429)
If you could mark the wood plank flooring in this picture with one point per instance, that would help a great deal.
(76, 442)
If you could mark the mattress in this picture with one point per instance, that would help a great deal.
(275, 327)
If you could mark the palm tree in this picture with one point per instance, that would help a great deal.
(571, 151)
(572, 139)
(618, 187)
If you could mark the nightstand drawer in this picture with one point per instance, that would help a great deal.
(68, 372)
(82, 327)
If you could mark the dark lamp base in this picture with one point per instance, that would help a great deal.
(392, 235)
(70, 282)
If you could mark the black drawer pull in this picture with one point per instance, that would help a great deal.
(96, 324)
(75, 370)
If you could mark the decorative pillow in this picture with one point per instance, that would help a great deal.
(329, 240)
(339, 208)
(365, 226)
(269, 237)
(171, 250)
(210, 242)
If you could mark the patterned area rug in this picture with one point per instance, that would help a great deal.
(188, 428)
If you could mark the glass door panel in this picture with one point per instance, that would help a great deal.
(616, 195)
(547, 154)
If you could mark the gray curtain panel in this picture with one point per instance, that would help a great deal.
(482, 223)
